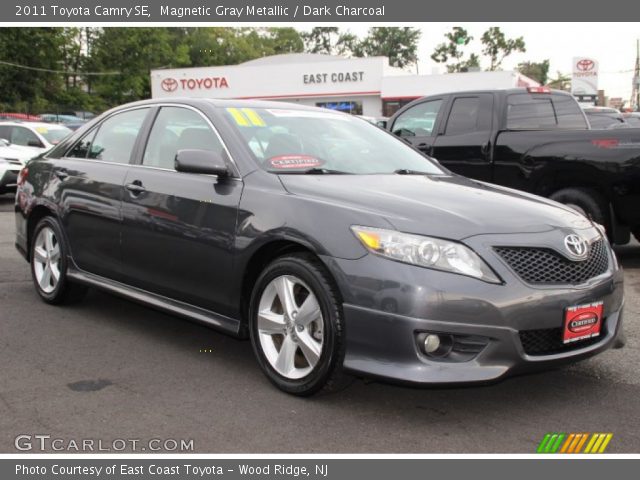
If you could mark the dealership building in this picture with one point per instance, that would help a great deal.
(363, 86)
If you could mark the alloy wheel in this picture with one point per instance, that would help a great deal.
(290, 327)
(46, 258)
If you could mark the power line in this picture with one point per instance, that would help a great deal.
(63, 72)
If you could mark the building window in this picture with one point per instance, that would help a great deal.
(389, 107)
(354, 108)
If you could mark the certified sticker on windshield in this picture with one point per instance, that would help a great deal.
(287, 162)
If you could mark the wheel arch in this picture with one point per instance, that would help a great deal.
(256, 263)
(37, 214)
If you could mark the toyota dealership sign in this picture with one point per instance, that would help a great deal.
(584, 80)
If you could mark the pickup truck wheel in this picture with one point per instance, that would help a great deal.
(586, 201)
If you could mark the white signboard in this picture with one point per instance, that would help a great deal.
(584, 80)
(361, 76)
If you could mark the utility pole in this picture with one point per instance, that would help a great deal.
(635, 96)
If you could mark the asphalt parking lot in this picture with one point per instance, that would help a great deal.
(108, 368)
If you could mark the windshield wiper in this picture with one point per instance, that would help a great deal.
(407, 171)
(324, 171)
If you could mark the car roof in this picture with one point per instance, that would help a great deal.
(224, 103)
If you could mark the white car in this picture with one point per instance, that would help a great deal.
(36, 137)
(12, 159)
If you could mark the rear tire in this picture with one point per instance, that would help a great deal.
(49, 265)
(586, 201)
(296, 326)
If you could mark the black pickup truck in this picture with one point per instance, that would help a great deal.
(536, 140)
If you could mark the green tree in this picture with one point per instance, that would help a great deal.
(230, 46)
(497, 47)
(452, 52)
(400, 44)
(24, 89)
(538, 71)
(133, 52)
(330, 41)
(562, 81)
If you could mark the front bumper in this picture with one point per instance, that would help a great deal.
(386, 304)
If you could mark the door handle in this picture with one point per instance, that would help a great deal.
(62, 173)
(135, 187)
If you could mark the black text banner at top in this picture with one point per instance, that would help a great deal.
(312, 11)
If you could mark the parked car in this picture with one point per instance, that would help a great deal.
(12, 160)
(19, 116)
(535, 140)
(63, 119)
(35, 136)
(331, 244)
(605, 118)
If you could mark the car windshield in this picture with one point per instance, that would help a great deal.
(53, 135)
(313, 141)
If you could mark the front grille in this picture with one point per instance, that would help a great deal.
(548, 341)
(545, 266)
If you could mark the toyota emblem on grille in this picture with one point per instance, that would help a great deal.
(576, 245)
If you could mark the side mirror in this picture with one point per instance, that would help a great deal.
(4, 142)
(382, 124)
(35, 143)
(201, 161)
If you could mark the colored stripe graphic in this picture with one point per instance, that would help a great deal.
(238, 117)
(253, 117)
(574, 442)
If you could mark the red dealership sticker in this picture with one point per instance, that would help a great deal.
(582, 322)
(285, 162)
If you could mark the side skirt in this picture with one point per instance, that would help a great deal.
(225, 324)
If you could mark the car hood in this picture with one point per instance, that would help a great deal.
(448, 206)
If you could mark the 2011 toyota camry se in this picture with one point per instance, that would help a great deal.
(333, 245)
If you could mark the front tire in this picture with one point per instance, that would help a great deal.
(49, 264)
(296, 326)
(585, 201)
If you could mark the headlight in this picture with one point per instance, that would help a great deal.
(435, 253)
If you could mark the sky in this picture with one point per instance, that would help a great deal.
(612, 44)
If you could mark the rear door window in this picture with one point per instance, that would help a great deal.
(117, 136)
(527, 111)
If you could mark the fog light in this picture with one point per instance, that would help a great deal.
(437, 345)
(431, 343)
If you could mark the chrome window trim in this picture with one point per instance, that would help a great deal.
(236, 173)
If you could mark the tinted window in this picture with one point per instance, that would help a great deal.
(117, 135)
(464, 116)
(25, 137)
(293, 140)
(5, 132)
(81, 149)
(533, 111)
(418, 121)
(176, 129)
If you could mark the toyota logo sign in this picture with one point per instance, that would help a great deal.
(585, 65)
(576, 246)
(169, 84)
